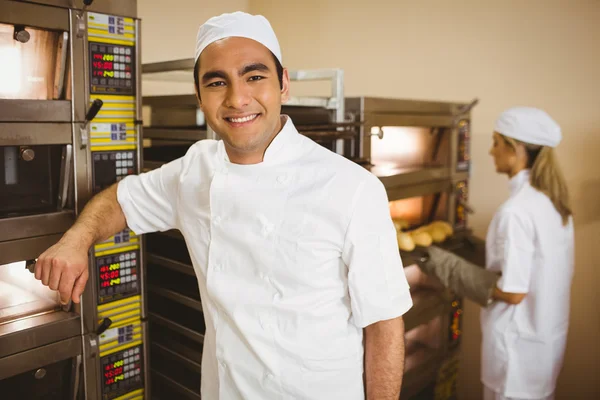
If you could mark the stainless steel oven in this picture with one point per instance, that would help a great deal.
(40, 340)
(69, 127)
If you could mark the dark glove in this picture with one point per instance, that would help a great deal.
(459, 275)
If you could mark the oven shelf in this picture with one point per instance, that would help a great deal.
(183, 330)
(175, 296)
(171, 387)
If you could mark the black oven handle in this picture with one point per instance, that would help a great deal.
(90, 115)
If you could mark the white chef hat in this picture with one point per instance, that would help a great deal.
(529, 125)
(238, 24)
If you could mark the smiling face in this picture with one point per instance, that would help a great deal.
(240, 96)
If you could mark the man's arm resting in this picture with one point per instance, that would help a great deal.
(384, 359)
(64, 266)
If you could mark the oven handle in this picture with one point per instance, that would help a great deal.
(91, 114)
(61, 62)
(66, 176)
(76, 376)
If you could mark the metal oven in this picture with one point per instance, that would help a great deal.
(69, 127)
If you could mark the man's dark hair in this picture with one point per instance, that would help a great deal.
(278, 67)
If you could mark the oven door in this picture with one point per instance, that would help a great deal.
(31, 314)
(36, 126)
(34, 77)
(48, 372)
(36, 194)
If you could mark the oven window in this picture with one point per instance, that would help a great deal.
(405, 149)
(21, 295)
(417, 211)
(28, 71)
(29, 179)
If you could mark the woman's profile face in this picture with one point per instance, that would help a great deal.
(505, 156)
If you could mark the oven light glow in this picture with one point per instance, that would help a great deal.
(15, 269)
(10, 70)
(396, 141)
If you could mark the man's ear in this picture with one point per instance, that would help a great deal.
(285, 86)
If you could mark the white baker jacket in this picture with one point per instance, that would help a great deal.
(294, 256)
(523, 345)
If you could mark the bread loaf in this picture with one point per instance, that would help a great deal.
(405, 241)
(422, 238)
(438, 234)
(445, 226)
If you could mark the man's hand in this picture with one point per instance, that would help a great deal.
(64, 267)
(384, 359)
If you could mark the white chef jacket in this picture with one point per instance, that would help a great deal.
(523, 344)
(294, 256)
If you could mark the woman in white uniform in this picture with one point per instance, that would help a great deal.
(531, 243)
(525, 290)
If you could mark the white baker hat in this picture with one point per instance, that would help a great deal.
(237, 24)
(529, 125)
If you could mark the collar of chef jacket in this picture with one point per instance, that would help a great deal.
(517, 181)
(280, 149)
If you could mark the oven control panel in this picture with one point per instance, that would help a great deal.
(111, 166)
(112, 68)
(122, 372)
(118, 276)
(113, 77)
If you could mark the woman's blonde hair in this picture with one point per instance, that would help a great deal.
(546, 175)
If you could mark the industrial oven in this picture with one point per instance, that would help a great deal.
(420, 152)
(69, 127)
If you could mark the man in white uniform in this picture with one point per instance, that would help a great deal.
(293, 245)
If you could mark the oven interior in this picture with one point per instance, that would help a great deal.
(21, 295)
(34, 67)
(396, 150)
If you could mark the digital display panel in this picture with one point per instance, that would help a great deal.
(112, 69)
(112, 166)
(117, 276)
(122, 372)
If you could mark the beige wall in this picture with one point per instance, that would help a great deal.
(169, 31)
(544, 53)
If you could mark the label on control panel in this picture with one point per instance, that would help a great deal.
(119, 336)
(118, 276)
(122, 372)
